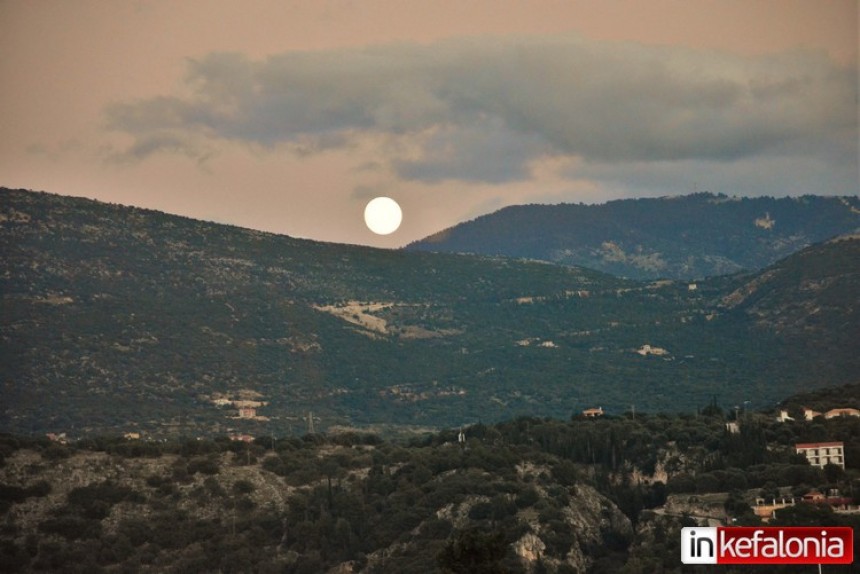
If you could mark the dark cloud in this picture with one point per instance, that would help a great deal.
(148, 144)
(486, 151)
(481, 110)
(754, 176)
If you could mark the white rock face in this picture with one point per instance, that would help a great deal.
(530, 548)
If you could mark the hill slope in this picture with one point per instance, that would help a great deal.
(117, 318)
(687, 237)
(813, 291)
(522, 496)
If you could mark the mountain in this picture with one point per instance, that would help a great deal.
(686, 237)
(810, 292)
(122, 319)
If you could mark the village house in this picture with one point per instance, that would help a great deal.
(646, 350)
(593, 413)
(767, 510)
(814, 497)
(840, 504)
(59, 438)
(832, 498)
(241, 438)
(783, 416)
(809, 414)
(823, 453)
(843, 412)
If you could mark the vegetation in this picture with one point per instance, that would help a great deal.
(118, 319)
(526, 495)
(687, 238)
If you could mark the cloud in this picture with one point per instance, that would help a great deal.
(484, 151)
(483, 109)
(754, 176)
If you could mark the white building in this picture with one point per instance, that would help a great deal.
(783, 416)
(822, 453)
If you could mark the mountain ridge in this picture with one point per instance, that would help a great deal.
(678, 237)
(119, 318)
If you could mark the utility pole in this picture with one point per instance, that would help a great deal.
(182, 414)
(310, 420)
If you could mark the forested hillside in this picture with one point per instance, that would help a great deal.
(686, 237)
(119, 319)
(527, 495)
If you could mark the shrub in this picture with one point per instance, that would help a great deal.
(243, 486)
(72, 527)
(12, 494)
(214, 487)
(275, 465)
(39, 489)
(481, 511)
(203, 465)
(527, 497)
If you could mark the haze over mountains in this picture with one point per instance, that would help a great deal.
(687, 237)
(117, 318)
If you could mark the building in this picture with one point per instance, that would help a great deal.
(833, 413)
(59, 438)
(814, 497)
(247, 412)
(592, 413)
(783, 416)
(767, 510)
(810, 414)
(822, 453)
(241, 438)
(840, 504)
(646, 350)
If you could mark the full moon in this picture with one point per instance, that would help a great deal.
(382, 215)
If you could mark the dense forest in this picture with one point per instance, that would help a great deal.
(527, 495)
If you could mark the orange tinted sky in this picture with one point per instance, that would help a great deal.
(458, 108)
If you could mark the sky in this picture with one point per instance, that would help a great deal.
(289, 116)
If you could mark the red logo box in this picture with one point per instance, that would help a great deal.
(768, 545)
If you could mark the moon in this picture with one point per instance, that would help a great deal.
(383, 215)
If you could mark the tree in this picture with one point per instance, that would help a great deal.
(474, 551)
(243, 486)
(833, 473)
(805, 515)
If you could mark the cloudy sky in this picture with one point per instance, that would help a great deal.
(288, 116)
